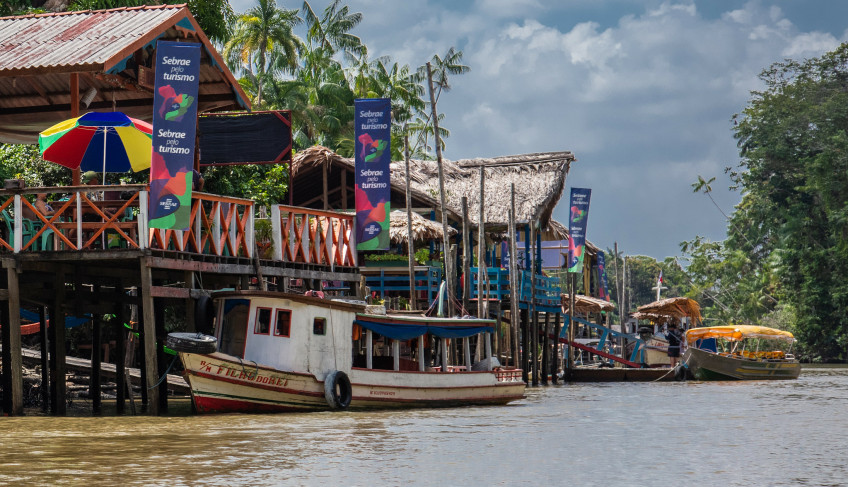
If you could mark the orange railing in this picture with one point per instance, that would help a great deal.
(85, 218)
(313, 236)
(221, 225)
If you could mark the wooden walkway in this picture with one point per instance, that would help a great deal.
(176, 383)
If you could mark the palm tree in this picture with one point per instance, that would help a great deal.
(332, 31)
(264, 31)
(442, 67)
(363, 71)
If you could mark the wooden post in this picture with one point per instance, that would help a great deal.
(445, 237)
(444, 355)
(162, 358)
(149, 338)
(534, 343)
(94, 384)
(526, 342)
(120, 354)
(13, 381)
(45, 359)
(571, 324)
(413, 299)
(546, 350)
(514, 291)
(555, 360)
(75, 103)
(421, 354)
(482, 269)
(466, 255)
(325, 197)
(466, 351)
(58, 383)
(396, 354)
(621, 340)
(369, 350)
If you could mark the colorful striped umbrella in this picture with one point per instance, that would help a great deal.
(99, 141)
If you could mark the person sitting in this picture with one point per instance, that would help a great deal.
(42, 207)
(91, 178)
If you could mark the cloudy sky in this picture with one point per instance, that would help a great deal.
(642, 92)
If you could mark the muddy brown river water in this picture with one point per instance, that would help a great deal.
(640, 434)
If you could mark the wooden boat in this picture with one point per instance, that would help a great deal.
(277, 352)
(737, 361)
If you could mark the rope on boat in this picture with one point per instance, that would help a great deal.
(248, 374)
(682, 364)
(165, 375)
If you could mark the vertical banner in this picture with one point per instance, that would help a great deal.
(174, 128)
(577, 227)
(372, 130)
(603, 289)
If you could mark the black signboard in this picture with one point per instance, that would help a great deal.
(237, 138)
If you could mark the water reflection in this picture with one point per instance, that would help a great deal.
(734, 433)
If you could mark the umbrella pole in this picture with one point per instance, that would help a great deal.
(105, 132)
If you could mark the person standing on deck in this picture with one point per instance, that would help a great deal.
(674, 338)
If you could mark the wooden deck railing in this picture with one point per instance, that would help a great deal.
(221, 225)
(81, 220)
(313, 236)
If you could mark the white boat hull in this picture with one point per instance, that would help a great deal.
(223, 383)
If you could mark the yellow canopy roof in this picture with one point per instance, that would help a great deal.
(737, 332)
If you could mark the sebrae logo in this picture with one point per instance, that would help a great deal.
(372, 149)
(175, 106)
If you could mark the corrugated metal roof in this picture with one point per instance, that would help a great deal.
(72, 40)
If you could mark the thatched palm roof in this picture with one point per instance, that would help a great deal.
(422, 228)
(586, 304)
(670, 308)
(539, 182)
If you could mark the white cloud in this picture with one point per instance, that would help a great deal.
(643, 98)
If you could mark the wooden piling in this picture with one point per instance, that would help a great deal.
(555, 360)
(94, 389)
(162, 358)
(58, 384)
(120, 357)
(149, 339)
(546, 349)
(514, 291)
(45, 359)
(466, 255)
(13, 381)
(410, 245)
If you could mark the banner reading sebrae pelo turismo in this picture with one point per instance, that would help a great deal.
(174, 118)
(577, 227)
(372, 126)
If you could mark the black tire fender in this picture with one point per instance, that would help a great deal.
(337, 390)
(192, 342)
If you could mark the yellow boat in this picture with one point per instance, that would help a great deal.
(738, 361)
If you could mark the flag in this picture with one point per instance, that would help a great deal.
(659, 279)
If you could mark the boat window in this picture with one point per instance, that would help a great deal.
(283, 323)
(319, 326)
(263, 321)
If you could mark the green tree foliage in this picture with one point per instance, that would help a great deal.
(786, 256)
(18, 161)
(212, 15)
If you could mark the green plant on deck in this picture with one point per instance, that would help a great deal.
(422, 256)
(263, 231)
(386, 258)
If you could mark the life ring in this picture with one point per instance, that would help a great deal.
(192, 342)
(337, 390)
(204, 314)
